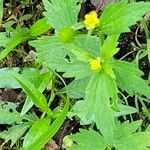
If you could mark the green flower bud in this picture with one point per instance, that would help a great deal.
(66, 35)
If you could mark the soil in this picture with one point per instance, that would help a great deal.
(14, 9)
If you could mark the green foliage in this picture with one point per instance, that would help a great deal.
(50, 131)
(66, 35)
(109, 49)
(34, 94)
(73, 88)
(15, 40)
(9, 114)
(39, 27)
(129, 78)
(87, 135)
(100, 90)
(59, 16)
(52, 53)
(41, 85)
(39, 126)
(125, 138)
(72, 51)
(118, 17)
(31, 74)
(14, 133)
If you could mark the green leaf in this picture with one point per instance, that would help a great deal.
(137, 141)
(87, 139)
(101, 89)
(126, 129)
(37, 129)
(12, 43)
(118, 17)
(89, 45)
(76, 89)
(41, 85)
(50, 132)
(8, 114)
(129, 78)
(61, 13)
(39, 27)
(34, 94)
(80, 110)
(31, 74)
(1, 10)
(125, 110)
(14, 133)
(4, 38)
(125, 139)
(49, 49)
(53, 54)
(108, 50)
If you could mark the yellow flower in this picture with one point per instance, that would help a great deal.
(95, 64)
(91, 20)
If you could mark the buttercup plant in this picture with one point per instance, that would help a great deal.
(98, 78)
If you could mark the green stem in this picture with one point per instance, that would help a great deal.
(52, 96)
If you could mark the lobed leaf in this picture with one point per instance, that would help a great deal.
(118, 17)
(87, 139)
(52, 53)
(129, 78)
(108, 49)
(14, 133)
(101, 89)
(61, 13)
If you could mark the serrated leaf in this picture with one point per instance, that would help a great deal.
(87, 139)
(8, 114)
(61, 13)
(126, 129)
(118, 17)
(137, 141)
(80, 110)
(4, 38)
(125, 139)
(49, 49)
(53, 53)
(90, 44)
(31, 74)
(124, 110)
(14, 133)
(108, 50)
(100, 90)
(76, 89)
(37, 129)
(129, 78)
